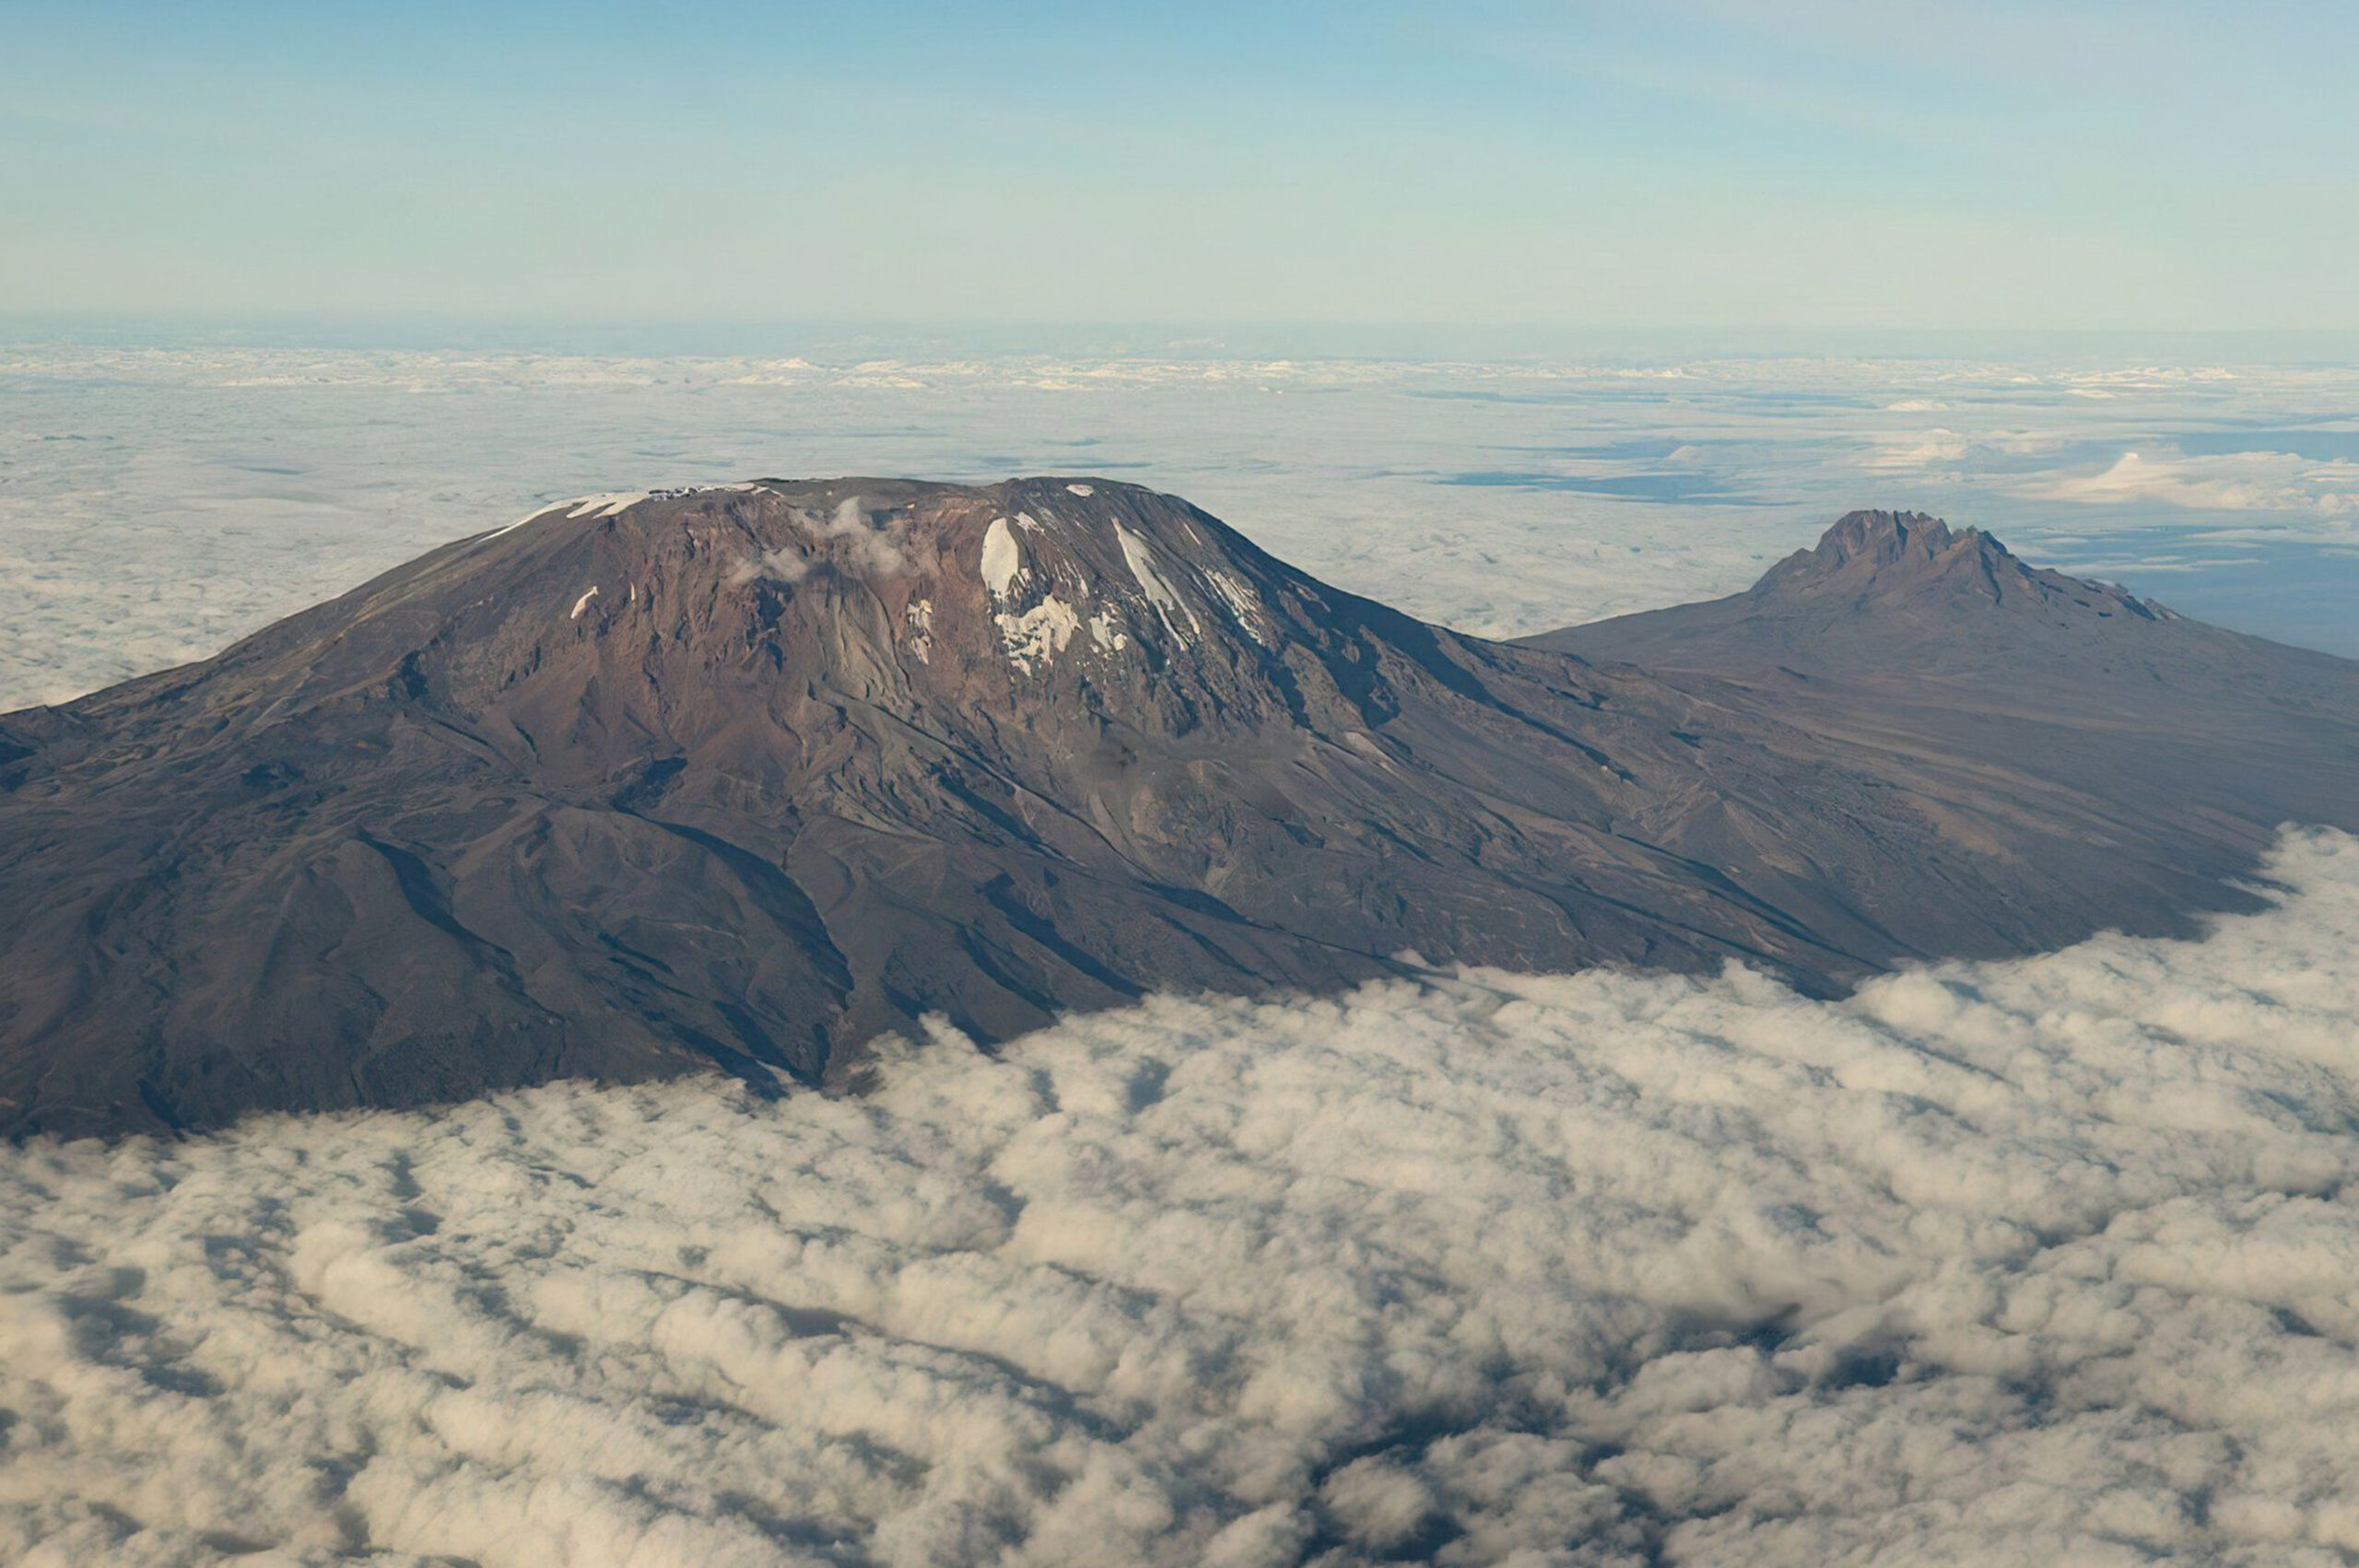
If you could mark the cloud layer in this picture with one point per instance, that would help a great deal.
(155, 504)
(2028, 1262)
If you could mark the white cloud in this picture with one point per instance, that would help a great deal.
(2038, 1262)
(783, 564)
(2258, 481)
(1915, 451)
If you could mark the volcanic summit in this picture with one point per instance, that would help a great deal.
(745, 776)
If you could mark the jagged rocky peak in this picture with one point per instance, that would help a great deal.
(1886, 536)
(1907, 560)
(1885, 544)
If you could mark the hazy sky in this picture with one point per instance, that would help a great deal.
(1709, 163)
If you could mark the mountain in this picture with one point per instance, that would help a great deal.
(745, 776)
(2018, 698)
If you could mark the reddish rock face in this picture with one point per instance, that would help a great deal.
(746, 775)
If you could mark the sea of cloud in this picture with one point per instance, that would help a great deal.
(2041, 1261)
(156, 503)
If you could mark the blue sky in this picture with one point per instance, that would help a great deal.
(1684, 163)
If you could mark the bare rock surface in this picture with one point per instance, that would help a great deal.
(747, 775)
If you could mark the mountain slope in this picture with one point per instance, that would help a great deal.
(2015, 695)
(745, 776)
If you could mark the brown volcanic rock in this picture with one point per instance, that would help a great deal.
(747, 775)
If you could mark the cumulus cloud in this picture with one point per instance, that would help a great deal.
(871, 547)
(1921, 450)
(872, 544)
(2256, 480)
(2038, 1262)
(783, 565)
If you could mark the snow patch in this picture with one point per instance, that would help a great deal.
(1241, 604)
(1038, 634)
(1002, 559)
(512, 527)
(582, 603)
(1080, 490)
(1028, 522)
(920, 618)
(1141, 558)
(1105, 634)
(609, 504)
(612, 504)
